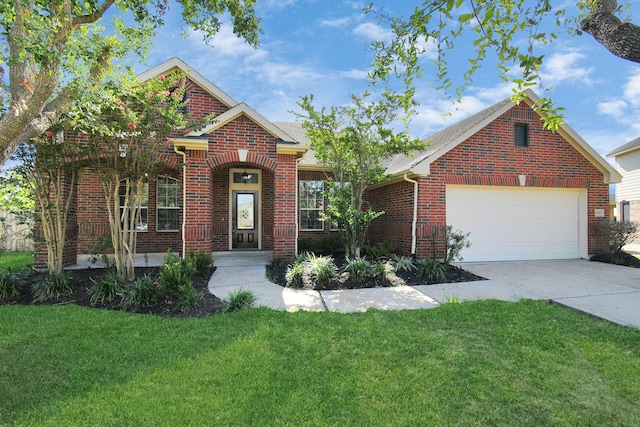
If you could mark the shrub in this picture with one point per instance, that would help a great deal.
(621, 234)
(295, 274)
(139, 293)
(175, 273)
(403, 263)
(52, 286)
(381, 250)
(381, 268)
(107, 288)
(358, 269)
(431, 269)
(323, 269)
(200, 262)
(456, 241)
(240, 300)
(8, 286)
(187, 296)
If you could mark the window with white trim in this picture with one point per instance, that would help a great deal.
(142, 222)
(167, 204)
(311, 204)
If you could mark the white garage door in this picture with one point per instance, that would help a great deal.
(516, 223)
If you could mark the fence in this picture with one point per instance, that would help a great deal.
(15, 231)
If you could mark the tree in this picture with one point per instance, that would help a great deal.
(128, 123)
(52, 51)
(499, 26)
(353, 141)
(46, 163)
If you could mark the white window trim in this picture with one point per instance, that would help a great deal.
(320, 209)
(176, 208)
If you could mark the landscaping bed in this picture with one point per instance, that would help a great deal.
(81, 281)
(342, 280)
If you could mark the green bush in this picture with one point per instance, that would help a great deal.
(358, 269)
(381, 250)
(187, 296)
(403, 263)
(323, 269)
(240, 300)
(175, 273)
(200, 262)
(455, 242)
(431, 269)
(381, 269)
(107, 288)
(8, 286)
(52, 286)
(139, 293)
(295, 274)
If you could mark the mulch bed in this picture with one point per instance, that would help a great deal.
(624, 258)
(452, 275)
(82, 279)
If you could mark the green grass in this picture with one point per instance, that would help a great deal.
(17, 261)
(474, 363)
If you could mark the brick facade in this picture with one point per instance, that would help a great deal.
(489, 157)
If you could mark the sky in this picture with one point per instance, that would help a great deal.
(321, 47)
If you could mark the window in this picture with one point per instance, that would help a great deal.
(311, 205)
(522, 135)
(167, 204)
(142, 223)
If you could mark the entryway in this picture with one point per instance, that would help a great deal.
(245, 186)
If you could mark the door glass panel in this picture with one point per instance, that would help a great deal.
(245, 212)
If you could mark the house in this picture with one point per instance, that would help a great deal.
(627, 198)
(245, 183)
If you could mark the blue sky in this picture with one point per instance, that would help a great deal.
(321, 47)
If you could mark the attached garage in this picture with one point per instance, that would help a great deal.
(519, 223)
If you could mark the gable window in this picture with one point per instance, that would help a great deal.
(142, 222)
(311, 205)
(522, 135)
(167, 203)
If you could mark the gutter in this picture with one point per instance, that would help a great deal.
(184, 198)
(414, 222)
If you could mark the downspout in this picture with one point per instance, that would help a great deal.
(184, 198)
(414, 222)
(297, 205)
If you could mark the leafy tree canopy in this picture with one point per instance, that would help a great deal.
(52, 50)
(511, 31)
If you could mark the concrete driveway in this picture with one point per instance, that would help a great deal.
(603, 290)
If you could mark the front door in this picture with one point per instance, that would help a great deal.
(244, 219)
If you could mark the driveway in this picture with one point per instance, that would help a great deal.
(606, 291)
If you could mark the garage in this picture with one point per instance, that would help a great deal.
(519, 223)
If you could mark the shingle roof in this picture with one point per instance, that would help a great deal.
(629, 146)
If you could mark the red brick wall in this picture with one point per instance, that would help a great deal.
(490, 157)
(284, 211)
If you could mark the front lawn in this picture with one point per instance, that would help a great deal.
(17, 261)
(475, 363)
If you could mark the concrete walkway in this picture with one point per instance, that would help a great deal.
(605, 291)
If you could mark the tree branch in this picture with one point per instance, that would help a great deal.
(620, 38)
(93, 17)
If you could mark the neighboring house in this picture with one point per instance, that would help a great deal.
(628, 191)
(249, 184)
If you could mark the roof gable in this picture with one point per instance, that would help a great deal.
(449, 138)
(626, 148)
(176, 64)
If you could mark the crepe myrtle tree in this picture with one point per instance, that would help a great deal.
(353, 140)
(510, 31)
(128, 123)
(48, 165)
(51, 51)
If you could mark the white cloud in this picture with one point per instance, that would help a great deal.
(335, 23)
(632, 89)
(564, 66)
(355, 74)
(614, 107)
(226, 44)
(370, 31)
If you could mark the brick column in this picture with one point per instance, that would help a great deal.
(197, 227)
(284, 208)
